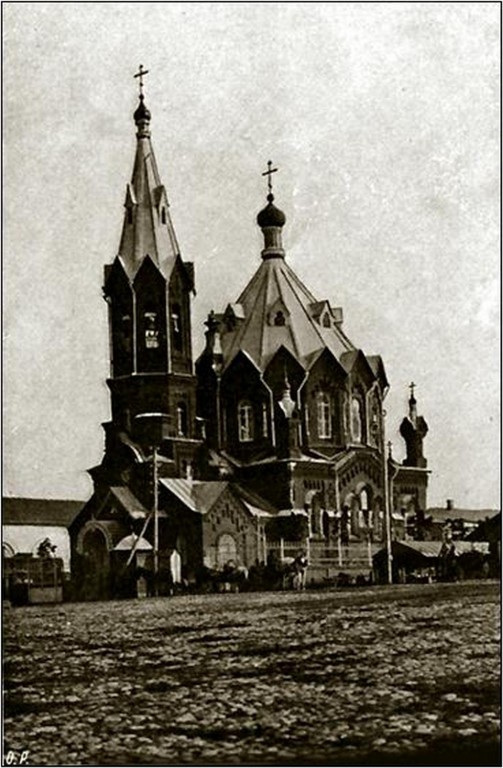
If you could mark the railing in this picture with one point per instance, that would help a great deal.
(352, 555)
(284, 548)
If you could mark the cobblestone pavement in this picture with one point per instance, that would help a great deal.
(393, 675)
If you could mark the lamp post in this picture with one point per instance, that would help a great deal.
(156, 525)
(151, 429)
(387, 512)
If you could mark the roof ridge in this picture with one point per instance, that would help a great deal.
(241, 329)
(291, 325)
(288, 274)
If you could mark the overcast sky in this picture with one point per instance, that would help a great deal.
(384, 122)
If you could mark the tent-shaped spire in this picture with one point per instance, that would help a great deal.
(276, 309)
(147, 228)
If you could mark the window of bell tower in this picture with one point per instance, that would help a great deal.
(151, 330)
(245, 422)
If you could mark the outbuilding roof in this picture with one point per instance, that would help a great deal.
(128, 501)
(442, 514)
(19, 511)
(200, 496)
(431, 549)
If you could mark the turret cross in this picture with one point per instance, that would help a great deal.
(268, 173)
(411, 387)
(140, 74)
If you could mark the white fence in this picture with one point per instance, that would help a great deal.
(352, 556)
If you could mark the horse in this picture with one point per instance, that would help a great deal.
(290, 571)
(231, 578)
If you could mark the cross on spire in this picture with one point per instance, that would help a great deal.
(268, 173)
(140, 74)
(412, 387)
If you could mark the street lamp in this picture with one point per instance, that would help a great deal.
(152, 429)
(387, 513)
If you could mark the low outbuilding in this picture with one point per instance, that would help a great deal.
(426, 561)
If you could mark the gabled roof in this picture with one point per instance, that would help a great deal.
(424, 548)
(377, 365)
(354, 357)
(59, 512)
(128, 501)
(200, 496)
(253, 500)
(276, 284)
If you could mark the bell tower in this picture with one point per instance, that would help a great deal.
(148, 288)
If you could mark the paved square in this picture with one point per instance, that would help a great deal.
(396, 675)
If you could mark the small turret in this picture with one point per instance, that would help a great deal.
(413, 430)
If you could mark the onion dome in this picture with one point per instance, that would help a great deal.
(142, 114)
(271, 216)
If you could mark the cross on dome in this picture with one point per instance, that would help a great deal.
(268, 173)
(141, 72)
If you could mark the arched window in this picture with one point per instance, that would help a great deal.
(356, 420)
(324, 413)
(163, 215)
(245, 421)
(326, 320)
(227, 550)
(151, 330)
(7, 549)
(279, 318)
(181, 420)
(176, 322)
(364, 509)
(129, 215)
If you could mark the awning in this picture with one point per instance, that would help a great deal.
(128, 542)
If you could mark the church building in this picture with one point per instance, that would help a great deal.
(272, 442)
